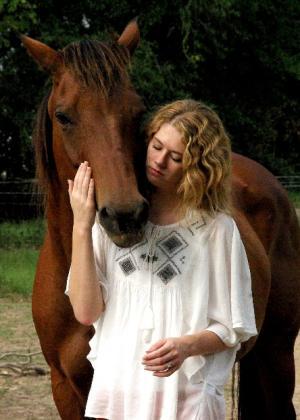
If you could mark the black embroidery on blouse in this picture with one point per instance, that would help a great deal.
(170, 254)
(167, 273)
(197, 225)
(127, 266)
(149, 258)
(172, 244)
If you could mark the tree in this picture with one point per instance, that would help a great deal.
(238, 56)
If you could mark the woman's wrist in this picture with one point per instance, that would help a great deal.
(202, 343)
(187, 342)
(82, 230)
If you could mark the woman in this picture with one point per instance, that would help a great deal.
(170, 312)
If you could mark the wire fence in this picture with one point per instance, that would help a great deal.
(291, 183)
(20, 199)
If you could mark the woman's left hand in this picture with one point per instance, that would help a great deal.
(165, 357)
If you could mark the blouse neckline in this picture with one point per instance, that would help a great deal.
(189, 218)
(165, 226)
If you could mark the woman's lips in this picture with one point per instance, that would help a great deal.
(154, 172)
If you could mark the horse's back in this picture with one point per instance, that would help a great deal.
(267, 207)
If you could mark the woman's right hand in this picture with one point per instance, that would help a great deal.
(81, 193)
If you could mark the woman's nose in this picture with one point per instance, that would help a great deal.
(161, 160)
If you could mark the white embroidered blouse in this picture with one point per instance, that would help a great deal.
(181, 279)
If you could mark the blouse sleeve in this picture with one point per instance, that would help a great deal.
(99, 240)
(230, 305)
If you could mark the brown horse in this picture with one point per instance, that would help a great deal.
(91, 114)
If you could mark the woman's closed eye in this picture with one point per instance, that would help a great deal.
(156, 147)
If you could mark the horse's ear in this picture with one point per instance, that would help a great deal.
(130, 37)
(46, 57)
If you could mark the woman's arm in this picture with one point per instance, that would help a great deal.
(84, 287)
(202, 343)
(167, 355)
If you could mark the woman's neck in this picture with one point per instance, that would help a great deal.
(164, 209)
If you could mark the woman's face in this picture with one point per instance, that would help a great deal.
(164, 158)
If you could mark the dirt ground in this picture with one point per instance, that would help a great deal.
(24, 391)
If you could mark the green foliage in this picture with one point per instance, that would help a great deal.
(157, 86)
(294, 196)
(242, 57)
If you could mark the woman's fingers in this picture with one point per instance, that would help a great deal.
(70, 184)
(77, 177)
(165, 369)
(157, 350)
(90, 195)
(82, 180)
(81, 194)
(160, 357)
(164, 357)
(80, 175)
(157, 345)
(161, 364)
(81, 190)
(160, 361)
(86, 182)
(163, 374)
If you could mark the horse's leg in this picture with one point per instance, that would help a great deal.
(267, 378)
(71, 382)
(66, 399)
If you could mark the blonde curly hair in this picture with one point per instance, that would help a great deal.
(205, 184)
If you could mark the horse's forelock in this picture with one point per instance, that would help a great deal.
(98, 64)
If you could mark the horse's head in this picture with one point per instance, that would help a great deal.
(93, 113)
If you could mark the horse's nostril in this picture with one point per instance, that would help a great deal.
(107, 212)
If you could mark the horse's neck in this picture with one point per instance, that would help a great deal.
(60, 222)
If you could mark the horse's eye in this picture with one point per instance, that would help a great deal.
(62, 118)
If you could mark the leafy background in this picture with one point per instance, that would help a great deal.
(239, 56)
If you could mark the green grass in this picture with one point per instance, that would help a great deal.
(19, 249)
(27, 233)
(17, 269)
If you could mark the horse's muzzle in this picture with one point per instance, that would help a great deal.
(125, 227)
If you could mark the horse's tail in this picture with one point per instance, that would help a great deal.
(250, 398)
(234, 390)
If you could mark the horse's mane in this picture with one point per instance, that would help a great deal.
(101, 65)
(42, 142)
